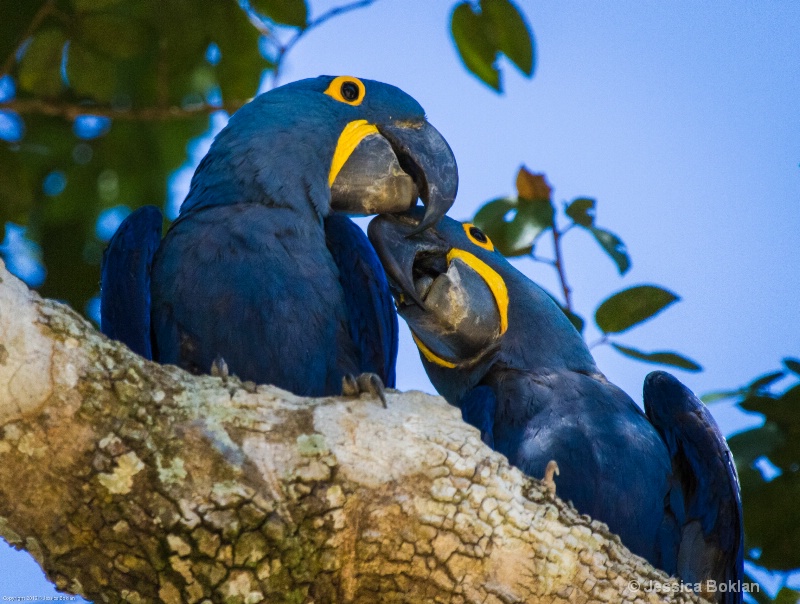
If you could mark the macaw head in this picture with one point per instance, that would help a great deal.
(329, 144)
(467, 307)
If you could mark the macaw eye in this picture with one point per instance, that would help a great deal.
(346, 89)
(478, 234)
(349, 91)
(478, 237)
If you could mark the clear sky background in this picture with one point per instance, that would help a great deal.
(682, 119)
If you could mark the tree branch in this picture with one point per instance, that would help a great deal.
(142, 483)
(70, 111)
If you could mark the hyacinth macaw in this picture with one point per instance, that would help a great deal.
(497, 346)
(260, 275)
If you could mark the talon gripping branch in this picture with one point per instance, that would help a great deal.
(497, 346)
(259, 270)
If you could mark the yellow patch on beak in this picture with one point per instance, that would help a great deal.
(492, 278)
(353, 133)
(428, 354)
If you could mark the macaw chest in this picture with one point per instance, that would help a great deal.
(248, 285)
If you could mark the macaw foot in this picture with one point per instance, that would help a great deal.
(549, 472)
(368, 383)
(219, 368)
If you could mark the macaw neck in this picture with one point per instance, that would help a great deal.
(540, 337)
(272, 152)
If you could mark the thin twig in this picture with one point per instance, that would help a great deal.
(559, 264)
(536, 258)
(70, 111)
(334, 12)
(602, 340)
(568, 229)
(45, 10)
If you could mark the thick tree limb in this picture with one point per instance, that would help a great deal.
(130, 481)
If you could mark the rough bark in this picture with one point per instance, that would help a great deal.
(131, 481)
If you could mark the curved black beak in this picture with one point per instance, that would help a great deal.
(394, 240)
(424, 154)
(456, 315)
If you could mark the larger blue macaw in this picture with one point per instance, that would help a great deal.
(260, 275)
(497, 346)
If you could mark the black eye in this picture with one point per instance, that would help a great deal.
(478, 234)
(349, 91)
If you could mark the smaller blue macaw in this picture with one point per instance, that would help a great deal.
(497, 346)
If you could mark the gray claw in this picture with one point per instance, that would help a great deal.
(219, 368)
(366, 383)
(548, 480)
(349, 385)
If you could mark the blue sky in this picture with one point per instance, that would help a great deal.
(682, 119)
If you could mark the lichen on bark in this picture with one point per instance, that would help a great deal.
(134, 482)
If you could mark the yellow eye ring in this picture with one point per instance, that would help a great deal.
(347, 89)
(478, 237)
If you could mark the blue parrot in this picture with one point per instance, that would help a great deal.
(260, 275)
(498, 347)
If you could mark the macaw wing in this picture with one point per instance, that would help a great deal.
(125, 280)
(477, 409)
(711, 539)
(372, 320)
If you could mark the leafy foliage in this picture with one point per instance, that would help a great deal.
(771, 514)
(481, 36)
(582, 213)
(128, 60)
(517, 224)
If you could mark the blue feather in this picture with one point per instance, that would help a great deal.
(478, 409)
(370, 310)
(125, 280)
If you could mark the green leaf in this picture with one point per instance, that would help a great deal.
(631, 306)
(721, 395)
(771, 517)
(614, 247)
(787, 596)
(750, 445)
(17, 17)
(112, 35)
(784, 409)
(514, 225)
(284, 12)
(672, 359)
(474, 43)
(40, 67)
(582, 212)
(511, 32)
(760, 383)
(792, 365)
(91, 74)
